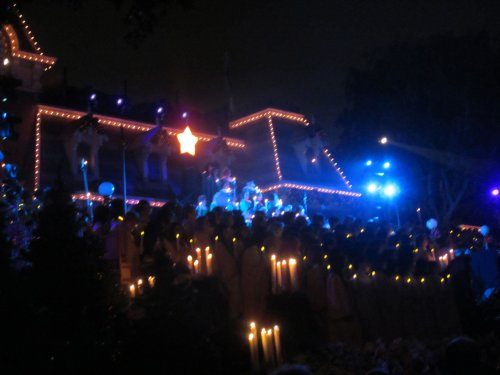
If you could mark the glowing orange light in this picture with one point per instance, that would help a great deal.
(187, 141)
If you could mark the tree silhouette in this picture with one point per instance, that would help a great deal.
(436, 99)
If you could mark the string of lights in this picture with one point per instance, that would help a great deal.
(48, 111)
(337, 168)
(16, 52)
(289, 185)
(27, 30)
(99, 198)
(269, 112)
(275, 147)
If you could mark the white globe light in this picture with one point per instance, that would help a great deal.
(431, 224)
(372, 188)
(484, 230)
(106, 189)
(390, 190)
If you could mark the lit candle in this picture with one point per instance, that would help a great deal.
(151, 281)
(273, 273)
(196, 267)
(140, 287)
(190, 262)
(284, 274)
(277, 344)
(265, 348)
(271, 349)
(278, 275)
(252, 342)
(209, 264)
(198, 255)
(132, 291)
(253, 328)
(292, 265)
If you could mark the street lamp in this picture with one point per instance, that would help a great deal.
(383, 140)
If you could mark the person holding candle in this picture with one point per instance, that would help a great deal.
(254, 282)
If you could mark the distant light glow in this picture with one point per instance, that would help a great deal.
(119, 101)
(93, 96)
(372, 188)
(390, 190)
(184, 115)
(368, 163)
(495, 192)
(6, 61)
(383, 140)
(386, 165)
(159, 110)
(313, 160)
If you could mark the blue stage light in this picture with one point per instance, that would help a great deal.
(390, 190)
(372, 187)
(386, 165)
(368, 163)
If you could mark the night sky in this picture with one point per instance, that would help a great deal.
(292, 54)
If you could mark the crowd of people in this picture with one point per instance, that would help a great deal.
(343, 247)
(336, 258)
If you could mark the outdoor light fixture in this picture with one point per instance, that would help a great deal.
(93, 96)
(390, 190)
(372, 187)
(383, 140)
(184, 115)
(159, 110)
(119, 102)
(386, 165)
(368, 163)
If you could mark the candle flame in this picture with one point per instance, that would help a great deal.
(251, 337)
(190, 258)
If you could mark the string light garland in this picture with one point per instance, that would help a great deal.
(55, 112)
(16, 52)
(99, 198)
(27, 30)
(289, 185)
(269, 112)
(275, 147)
(334, 164)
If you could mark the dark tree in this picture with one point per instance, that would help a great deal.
(437, 101)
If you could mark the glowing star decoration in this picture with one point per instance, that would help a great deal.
(187, 141)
